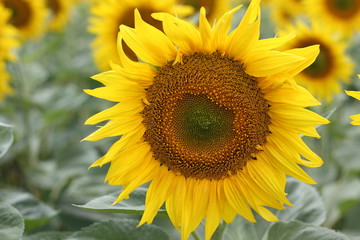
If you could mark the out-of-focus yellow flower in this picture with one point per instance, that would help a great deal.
(8, 42)
(285, 12)
(332, 66)
(343, 15)
(28, 16)
(60, 11)
(108, 15)
(212, 118)
(214, 8)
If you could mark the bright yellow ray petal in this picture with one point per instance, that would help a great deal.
(213, 216)
(309, 55)
(181, 33)
(158, 192)
(267, 63)
(162, 49)
(237, 200)
(354, 94)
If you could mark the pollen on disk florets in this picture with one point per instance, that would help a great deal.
(206, 117)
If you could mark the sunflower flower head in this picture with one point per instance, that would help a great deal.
(108, 15)
(60, 11)
(27, 16)
(210, 117)
(8, 42)
(332, 66)
(343, 15)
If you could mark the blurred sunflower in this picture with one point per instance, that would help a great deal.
(285, 12)
(341, 15)
(214, 8)
(28, 16)
(8, 42)
(211, 119)
(60, 11)
(332, 66)
(355, 94)
(107, 15)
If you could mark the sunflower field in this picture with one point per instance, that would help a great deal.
(179, 119)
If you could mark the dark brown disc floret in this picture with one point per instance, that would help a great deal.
(205, 116)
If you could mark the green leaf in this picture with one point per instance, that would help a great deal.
(120, 229)
(48, 236)
(6, 138)
(308, 207)
(300, 231)
(11, 223)
(133, 205)
(34, 212)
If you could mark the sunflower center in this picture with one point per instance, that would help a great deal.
(21, 12)
(197, 4)
(205, 116)
(343, 8)
(200, 122)
(54, 5)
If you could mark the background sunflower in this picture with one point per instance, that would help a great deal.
(323, 78)
(341, 15)
(108, 15)
(28, 16)
(60, 11)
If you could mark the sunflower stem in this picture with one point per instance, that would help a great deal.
(195, 235)
(219, 233)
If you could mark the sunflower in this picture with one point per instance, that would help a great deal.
(332, 66)
(211, 119)
(107, 15)
(342, 15)
(28, 16)
(355, 94)
(60, 10)
(8, 35)
(214, 8)
(8, 42)
(285, 12)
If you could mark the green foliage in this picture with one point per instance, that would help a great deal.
(11, 223)
(6, 138)
(299, 231)
(34, 212)
(132, 205)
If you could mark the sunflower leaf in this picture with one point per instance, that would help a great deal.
(34, 212)
(6, 138)
(48, 236)
(11, 223)
(133, 205)
(298, 230)
(120, 229)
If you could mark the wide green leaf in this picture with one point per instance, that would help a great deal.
(48, 236)
(133, 205)
(308, 207)
(6, 138)
(120, 229)
(34, 212)
(11, 223)
(300, 231)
